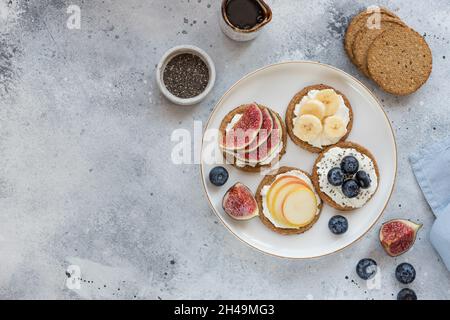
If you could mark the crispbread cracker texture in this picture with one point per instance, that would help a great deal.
(358, 22)
(399, 61)
(364, 39)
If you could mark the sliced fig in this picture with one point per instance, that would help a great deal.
(263, 152)
(398, 235)
(264, 132)
(266, 149)
(245, 130)
(276, 121)
(239, 202)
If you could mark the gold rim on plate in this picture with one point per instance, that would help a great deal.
(251, 74)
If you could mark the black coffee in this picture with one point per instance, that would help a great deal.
(244, 14)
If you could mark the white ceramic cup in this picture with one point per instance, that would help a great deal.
(180, 50)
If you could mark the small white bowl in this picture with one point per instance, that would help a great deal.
(180, 50)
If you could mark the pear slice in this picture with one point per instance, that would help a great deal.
(277, 206)
(300, 206)
(276, 186)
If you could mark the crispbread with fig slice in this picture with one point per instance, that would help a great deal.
(230, 158)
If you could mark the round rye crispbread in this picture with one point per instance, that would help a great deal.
(358, 22)
(364, 39)
(258, 167)
(290, 116)
(315, 175)
(399, 60)
(268, 180)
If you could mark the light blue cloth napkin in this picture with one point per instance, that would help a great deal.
(431, 165)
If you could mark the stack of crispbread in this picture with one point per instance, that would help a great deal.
(385, 49)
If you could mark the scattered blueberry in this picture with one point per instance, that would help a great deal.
(350, 188)
(366, 268)
(338, 224)
(335, 176)
(218, 176)
(406, 294)
(349, 165)
(363, 179)
(405, 273)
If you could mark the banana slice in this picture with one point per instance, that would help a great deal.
(330, 99)
(307, 127)
(334, 127)
(314, 107)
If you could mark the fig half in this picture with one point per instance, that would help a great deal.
(398, 236)
(240, 203)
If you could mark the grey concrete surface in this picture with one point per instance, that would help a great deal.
(85, 171)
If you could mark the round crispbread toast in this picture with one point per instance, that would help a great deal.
(315, 176)
(364, 39)
(399, 60)
(358, 22)
(258, 167)
(268, 180)
(290, 116)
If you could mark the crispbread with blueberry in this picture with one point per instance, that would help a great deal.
(344, 189)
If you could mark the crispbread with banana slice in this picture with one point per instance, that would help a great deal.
(290, 115)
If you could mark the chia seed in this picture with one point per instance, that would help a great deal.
(186, 75)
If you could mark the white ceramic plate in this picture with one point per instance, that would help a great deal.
(274, 86)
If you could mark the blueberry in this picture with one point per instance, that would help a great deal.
(335, 176)
(350, 188)
(363, 179)
(349, 165)
(338, 224)
(405, 273)
(218, 176)
(406, 294)
(366, 268)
